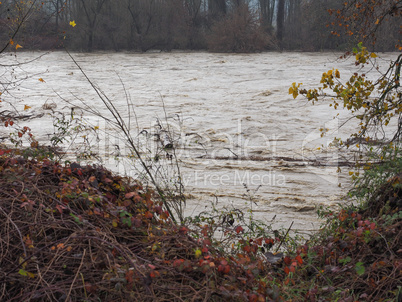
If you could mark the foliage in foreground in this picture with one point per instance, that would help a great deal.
(81, 233)
(75, 233)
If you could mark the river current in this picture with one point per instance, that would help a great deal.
(240, 139)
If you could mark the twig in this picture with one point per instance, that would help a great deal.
(76, 275)
(119, 122)
(284, 237)
(18, 230)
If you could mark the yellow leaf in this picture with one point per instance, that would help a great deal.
(378, 21)
(21, 260)
(198, 253)
(18, 46)
(115, 224)
(41, 80)
(11, 42)
(23, 272)
(294, 90)
(72, 23)
(96, 127)
(373, 55)
(26, 107)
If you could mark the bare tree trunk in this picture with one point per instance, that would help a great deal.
(267, 9)
(280, 17)
(217, 8)
(92, 9)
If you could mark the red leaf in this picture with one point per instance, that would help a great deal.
(183, 230)
(129, 195)
(178, 262)
(137, 198)
(253, 298)
(90, 288)
(287, 260)
(246, 248)
(129, 276)
(286, 269)
(269, 241)
(60, 208)
(137, 222)
(299, 259)
(148, 215)
(239, 229)
(111, 197)
(158, 210)
(221, 268)
(207, 241)
(227, 269)
(292, 269)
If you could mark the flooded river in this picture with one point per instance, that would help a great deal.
(239, 137)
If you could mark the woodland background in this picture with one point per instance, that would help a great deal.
(213, 25)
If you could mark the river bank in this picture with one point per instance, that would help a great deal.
(73, 232)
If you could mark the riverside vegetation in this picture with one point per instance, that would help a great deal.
(81, 233)
(76, 232)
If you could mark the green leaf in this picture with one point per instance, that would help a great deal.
(360, 269)
(23, 272)
(345, 260)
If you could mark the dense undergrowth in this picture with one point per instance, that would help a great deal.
(80, 233)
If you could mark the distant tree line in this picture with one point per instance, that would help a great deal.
(214, 25)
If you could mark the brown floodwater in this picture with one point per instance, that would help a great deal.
(240, 139)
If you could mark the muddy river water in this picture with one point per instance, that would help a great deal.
(240, 138)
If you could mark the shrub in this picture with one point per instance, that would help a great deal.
(240, 31)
